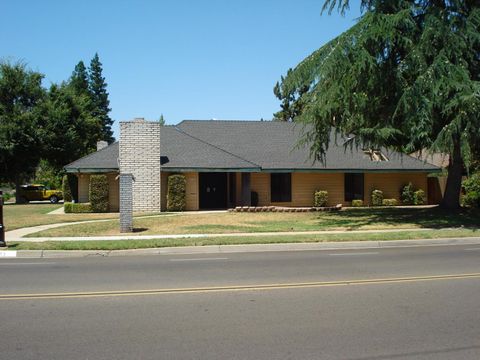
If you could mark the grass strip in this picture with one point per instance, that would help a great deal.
(158, 243)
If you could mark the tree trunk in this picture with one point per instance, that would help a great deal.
(451, 198)
(18, 198)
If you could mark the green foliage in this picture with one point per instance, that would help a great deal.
(21, 94)
(419, 197)
(79, 79)
(98, 193)
(47, 175)
(71, 208)
(357, 203)
(377, 198)
(67, 192)
(161, 120)
(406, 76)
(176, 193)
(70, 131)
(389, 202)
(320, 198)
(6, 196)
(99, 96)
(407, 194)
(471, 186)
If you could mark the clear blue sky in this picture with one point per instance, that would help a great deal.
(185, 59)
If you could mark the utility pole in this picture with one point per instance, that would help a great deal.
(2, 227)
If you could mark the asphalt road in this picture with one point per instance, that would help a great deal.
(405, 303)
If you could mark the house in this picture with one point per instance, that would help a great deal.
(225, 161)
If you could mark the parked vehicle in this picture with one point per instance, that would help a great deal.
(38, 192)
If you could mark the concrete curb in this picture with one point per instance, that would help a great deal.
(216, 249)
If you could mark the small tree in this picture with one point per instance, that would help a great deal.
(98, 193)
(176, 193)
(67, 192)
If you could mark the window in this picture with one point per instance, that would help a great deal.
(281, 187)
(353, 186)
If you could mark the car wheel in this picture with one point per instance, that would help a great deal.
(53, 199)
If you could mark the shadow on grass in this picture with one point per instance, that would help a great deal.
(422, 217)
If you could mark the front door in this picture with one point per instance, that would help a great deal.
(213, 190)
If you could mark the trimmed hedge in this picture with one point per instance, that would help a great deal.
(98, 193)
(176, 193)
(377, 197)
(67, 192)
(389, 202)
(357, 203)
(320, 198)
(71, 208)
(419, 197)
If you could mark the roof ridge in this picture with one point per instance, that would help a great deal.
(231, 120)
(92, 153)
(216, 147)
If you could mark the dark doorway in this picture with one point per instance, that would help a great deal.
(213, 190)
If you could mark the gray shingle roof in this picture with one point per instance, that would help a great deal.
(250, 146)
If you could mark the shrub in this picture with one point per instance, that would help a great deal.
(377, 197)
(98, 193)
(471, 186)
(67, 192)
(320, 198)
(77, 208)
(176, 193)
(407, 194)
(419, 197)
(357, 203)
(389, 202)
(254, 198)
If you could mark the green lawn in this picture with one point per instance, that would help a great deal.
(349, 219)
(26, 215)
(141, 244)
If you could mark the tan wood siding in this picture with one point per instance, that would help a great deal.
(163, 189)
(260, 183)
(113, 192)
(303, 187)
(192, 191)
(391, 183)
(83, 186)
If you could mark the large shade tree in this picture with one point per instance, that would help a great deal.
(21, 94)
(406, 75)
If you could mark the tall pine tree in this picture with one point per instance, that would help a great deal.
(100, 102)
(79, 79)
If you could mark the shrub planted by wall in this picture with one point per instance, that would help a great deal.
(357, 203)
(98, 193)
(377, 197)
(419, 197)
(407, 194)
(471, 186)
(389, 202)
(320, 198)
(67, 192)
(177, 193)
(74, 208)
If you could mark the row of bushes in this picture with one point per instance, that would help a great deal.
(408, 195)
(97, 193)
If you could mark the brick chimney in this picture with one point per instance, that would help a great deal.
(139, 156)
